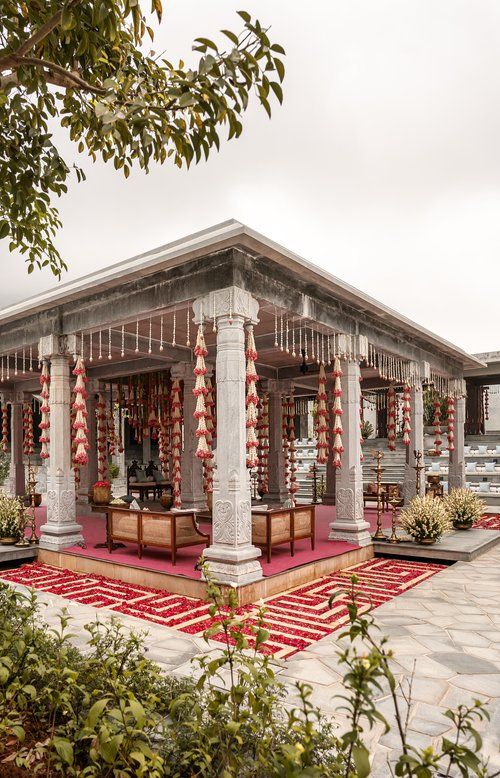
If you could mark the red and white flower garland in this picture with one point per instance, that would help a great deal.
(45, 411)
(294, 487)
(176, 411)
(284, 439)
(200, 391)
(111, 431)
(264, 445)
(406, 415)
(80, 428)
(252, 399)
(208, 470)
(361, 419)
(451, 423)
(391, 419)
(28, 439)
(337, 431)
(102, 431)
(5, 428)
(322, 418)
(437, 426)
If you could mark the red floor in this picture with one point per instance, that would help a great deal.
(159, 560)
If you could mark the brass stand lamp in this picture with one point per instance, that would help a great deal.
(378, 470)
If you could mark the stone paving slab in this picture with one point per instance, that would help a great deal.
(453, 547)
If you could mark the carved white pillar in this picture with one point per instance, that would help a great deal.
(278, 492)
(349, 523)
(416, 444)
(192, 494)
(61, 529)
(456, 466)
(232, 559)
(15, 482)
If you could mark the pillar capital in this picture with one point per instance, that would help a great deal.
(57, 346)
(226, 303)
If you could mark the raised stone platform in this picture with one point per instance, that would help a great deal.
(17, 553)
(463, 546)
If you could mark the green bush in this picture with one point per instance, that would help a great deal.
(109, 712)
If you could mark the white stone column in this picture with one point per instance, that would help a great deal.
(192, 494)
(278, 493)
(15, 482)
(61, 529)
(349, 523)
(232, 559)
(416, 444)
(456, 466)
(119, 485)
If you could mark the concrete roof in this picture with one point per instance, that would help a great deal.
(224, 235)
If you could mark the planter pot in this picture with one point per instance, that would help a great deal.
(166, 501)
(462, 524)
(425, 541)
(8, 541)
(102, 495)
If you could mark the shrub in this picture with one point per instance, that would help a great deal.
(425, 518)
(366, 430)
(464, 507)
(10, 516)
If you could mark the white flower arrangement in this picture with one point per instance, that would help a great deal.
(464, 507)
(10, 516)
(425, 518)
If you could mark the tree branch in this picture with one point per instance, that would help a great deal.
(56, 74)
(39, 35)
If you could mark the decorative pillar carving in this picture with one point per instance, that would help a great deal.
(349, 523)
(61, 529)
(456, 466)
(192, 494)
(232, 558)
(278, 492)
(416, 444)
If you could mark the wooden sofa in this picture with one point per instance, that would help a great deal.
(170, 530)
(274, 526)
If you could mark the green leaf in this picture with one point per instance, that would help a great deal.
(4, 228)
(64, 749)
(361, 760)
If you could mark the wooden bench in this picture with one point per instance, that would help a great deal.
(275, 526)
(170, 530)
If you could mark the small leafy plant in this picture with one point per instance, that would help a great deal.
(10, 516)
(464, 508)
(425, 518)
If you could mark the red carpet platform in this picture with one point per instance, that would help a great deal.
(296, 618)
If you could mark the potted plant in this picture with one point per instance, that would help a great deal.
(464, 508)
(113, 471)
(102, 492)
(10, 519)
(426, 519)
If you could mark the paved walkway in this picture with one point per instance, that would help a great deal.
(446, 630)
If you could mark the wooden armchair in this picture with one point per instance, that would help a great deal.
(283, 525)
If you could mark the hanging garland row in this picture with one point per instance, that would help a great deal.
(45, 411)
(176, 410)
(264, 444)
(391, 419)
(200, 391)
(451, 423)
(28, 437)
(5, 428)
(102, 429)
(294, 486)
(406, 415)
(338, 448)
(322, 418)
(252, 399)
(22, 363)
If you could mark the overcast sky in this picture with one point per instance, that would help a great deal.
(382, 166)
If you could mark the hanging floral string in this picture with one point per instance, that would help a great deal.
(80, 428)
(391, 419)
(406, 415)
(5, 428)
(337, 431)
(294, 487)
(437, 426)
(284, 439)
(208, 470)
(322, 418)
(102, 429)
(264, 445)
(176, 410)
(252, 399)
(111, 431)
(451, 423)
(200, 391)
(45, 411)
(361, 420)
(28, 439)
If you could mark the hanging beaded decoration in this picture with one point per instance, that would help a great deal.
(137, 336)
(174, 327)
(161, 333)
(122, 350)
(109, 343)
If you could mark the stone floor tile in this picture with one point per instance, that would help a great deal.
(310, 671)
(424, 666)
(488, 685)
(460, 662)
(462, 637)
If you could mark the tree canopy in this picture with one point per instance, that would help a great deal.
(83, 63)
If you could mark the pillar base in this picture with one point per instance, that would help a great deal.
(357, 533)
(233, 567)
(57, 536)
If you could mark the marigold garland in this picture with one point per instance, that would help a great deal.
(406, 415)
(252, 399)
(102, 429)
(264, 445)
(28, 439)
(437, 426)
(111, 431)
(200, 391)
(45, 411)
(5, 428)
(176, 439)
(391, 419)
(294, 487)
(284, 439)
(81, 432)
(208, 470)
(451, 423)
(361, 419)
(322, 418)
(337, 431)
